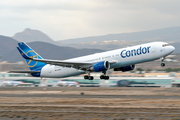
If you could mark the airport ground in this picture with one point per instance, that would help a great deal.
(89, 103)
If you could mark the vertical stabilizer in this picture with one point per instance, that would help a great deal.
(33, 65)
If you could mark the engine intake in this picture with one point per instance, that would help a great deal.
(126, 68)
(101, 66)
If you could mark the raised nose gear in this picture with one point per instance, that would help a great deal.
(162, 64)
(162, 59)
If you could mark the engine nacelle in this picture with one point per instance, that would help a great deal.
(126, 68)
(101, 66)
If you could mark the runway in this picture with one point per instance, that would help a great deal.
(90, 96)
(95, 104)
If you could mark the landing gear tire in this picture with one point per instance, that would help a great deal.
(162, 64)
(91, 78)
(104, 77)
(86, 77)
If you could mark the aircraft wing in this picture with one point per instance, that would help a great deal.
(76, 65)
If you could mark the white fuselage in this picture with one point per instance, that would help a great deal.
(120, 57)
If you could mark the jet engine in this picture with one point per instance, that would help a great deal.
(126, 68)
(101, 66)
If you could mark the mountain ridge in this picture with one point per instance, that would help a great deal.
(157, 34)
(9, 52)
(31, 35)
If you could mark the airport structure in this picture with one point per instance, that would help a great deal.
(150, 80)
(175, 82)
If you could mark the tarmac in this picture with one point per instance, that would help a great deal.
(89, 103)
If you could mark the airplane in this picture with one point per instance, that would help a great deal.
(68, 83)
(44, 83)
(10, 83)
(123, 59)
(5, 82)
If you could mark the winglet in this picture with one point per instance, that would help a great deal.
(23, 54)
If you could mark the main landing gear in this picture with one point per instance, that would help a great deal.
(162, 59)
(104, 76)
(88, 76)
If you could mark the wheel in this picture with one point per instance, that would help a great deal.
(102, 77)
(162, 64)
(85, 77)
(106, 77)
(91, 77)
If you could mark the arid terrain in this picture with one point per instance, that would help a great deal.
(89, 103)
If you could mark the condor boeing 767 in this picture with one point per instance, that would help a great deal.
(120, 60)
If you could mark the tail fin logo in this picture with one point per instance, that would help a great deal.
(32, 54)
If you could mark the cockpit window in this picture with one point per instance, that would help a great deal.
(164, 45)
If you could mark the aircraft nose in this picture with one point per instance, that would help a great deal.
(172, 48)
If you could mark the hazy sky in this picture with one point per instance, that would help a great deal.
(64, 19)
